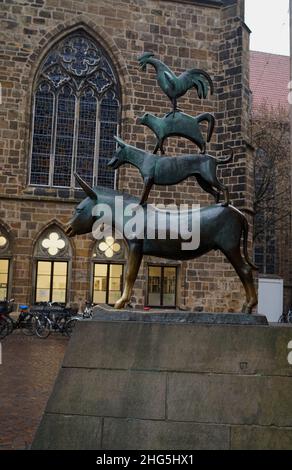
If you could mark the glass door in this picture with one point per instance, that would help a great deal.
(107, 283)
(4, 271)
(162, 285)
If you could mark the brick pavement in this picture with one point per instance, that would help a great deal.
(27, 374)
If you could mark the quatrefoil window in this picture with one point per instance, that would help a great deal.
(109, 247)
(3, 241)
(53, 243)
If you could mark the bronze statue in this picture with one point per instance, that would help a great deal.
(181, 125)
(221, 229)
(221, 226)
(175, 87)
(172, 170)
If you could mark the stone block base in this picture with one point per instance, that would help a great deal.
(154, 385)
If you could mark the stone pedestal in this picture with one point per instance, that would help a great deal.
(128, 384)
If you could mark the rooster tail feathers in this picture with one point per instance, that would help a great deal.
(200, 89)
(208, 78)
(200, 79)
(204, 77)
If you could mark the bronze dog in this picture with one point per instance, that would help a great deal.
(172, 170)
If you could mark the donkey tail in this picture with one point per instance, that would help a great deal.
(211, 123)
(245, 228)
(224, 161)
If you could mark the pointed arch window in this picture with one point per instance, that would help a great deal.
(5, 264)
(52, 256)
(76, 114)
(108, 269)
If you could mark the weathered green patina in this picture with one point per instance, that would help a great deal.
(172, 170)
(221, 228)
(181, 125)
(176, 86)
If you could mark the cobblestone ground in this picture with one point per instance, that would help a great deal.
(27, 374)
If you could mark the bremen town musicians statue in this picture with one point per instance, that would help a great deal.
(222, 226)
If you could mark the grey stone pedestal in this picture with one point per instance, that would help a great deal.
(133, 384)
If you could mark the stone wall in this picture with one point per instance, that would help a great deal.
(183, 34)
(134, 385)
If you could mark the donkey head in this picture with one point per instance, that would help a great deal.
(83, 219)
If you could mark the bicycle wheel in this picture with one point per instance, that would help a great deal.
(28, 325)
(43, 327)
(283, 319)
(10, 324)
(69, 327)
(4, 328)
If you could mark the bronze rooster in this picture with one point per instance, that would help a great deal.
(175, 87)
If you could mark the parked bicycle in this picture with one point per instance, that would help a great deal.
(52, 316)
(286, 317)
(5, 307)
(24, 322)
(85, 315)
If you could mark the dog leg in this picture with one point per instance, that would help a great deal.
(148, 183)
(208, 188)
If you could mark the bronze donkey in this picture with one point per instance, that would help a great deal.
(172, 170)
(221, 228)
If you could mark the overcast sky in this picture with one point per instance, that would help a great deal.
(269, 23)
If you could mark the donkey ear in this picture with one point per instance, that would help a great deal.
(120, 142)
(86, 188)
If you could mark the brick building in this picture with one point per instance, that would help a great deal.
(70, 80)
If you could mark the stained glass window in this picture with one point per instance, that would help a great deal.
(109, 111)
(41, 147)
(76, 115)
(86, 135)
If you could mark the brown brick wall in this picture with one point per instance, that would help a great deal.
(182, 34)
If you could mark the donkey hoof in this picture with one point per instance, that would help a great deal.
(246, 309)
(120, 304)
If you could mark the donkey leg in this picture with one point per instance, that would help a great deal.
(133, 265)
(244, 272)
